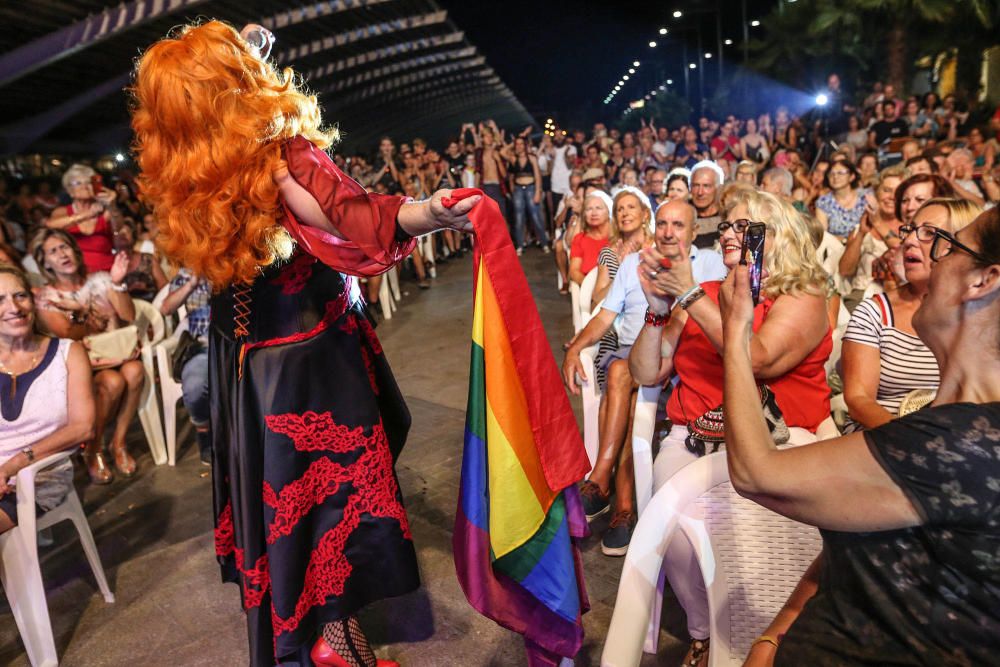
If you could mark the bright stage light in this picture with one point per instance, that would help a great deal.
(678, 14)
(625, 78)
(822, 99)
(635, 63)
(692, 66)
(754, 23)
(663, 31)
(729, 42)
(670, 82)
(119, 157)
(631, 70)
(708, 56)
(652, 45)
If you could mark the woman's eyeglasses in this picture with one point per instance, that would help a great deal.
(944, 243)
(739, 226)
(925, 233)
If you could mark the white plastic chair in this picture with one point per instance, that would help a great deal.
(168, 321)
(19, 569)
(579, 297)
(590, 394)
(751, 558)
(643, 434)
(385, 298)
(149, 410)
(426, 244)
(392, 277)
(170, 390)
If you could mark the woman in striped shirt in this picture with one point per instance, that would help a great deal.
(883, 358)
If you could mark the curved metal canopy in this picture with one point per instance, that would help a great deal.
(396, 67)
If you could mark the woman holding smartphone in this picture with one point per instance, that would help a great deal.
(92, 218)
(683, 335)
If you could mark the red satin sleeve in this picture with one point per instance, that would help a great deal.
(367, 222)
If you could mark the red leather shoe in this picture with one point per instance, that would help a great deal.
(324, 656)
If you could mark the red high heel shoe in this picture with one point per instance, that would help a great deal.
(324, 656)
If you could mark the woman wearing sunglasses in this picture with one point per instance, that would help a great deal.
(883, 358)
(909, 511)
(683, 336)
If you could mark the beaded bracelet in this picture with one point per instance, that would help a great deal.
(655, 319)
(690, 297)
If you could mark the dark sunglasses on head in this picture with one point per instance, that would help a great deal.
(739, 226)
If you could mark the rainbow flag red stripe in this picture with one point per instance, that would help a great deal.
(519, 513)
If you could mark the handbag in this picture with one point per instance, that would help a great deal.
(708, 430)
(187, 347)
(113, 348)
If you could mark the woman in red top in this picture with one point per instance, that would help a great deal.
(91, 219)
(585, 248)
(791, 343)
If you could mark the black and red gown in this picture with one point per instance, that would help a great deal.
(306, 423)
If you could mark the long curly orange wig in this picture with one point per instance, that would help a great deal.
(209, 117)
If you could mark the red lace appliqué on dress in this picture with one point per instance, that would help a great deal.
(224, 538)
(293, 278)
(370, 336)
(375, 493)
(256, 580)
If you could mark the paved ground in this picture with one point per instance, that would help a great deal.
(154, 532)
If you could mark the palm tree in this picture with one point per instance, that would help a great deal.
(901, 16)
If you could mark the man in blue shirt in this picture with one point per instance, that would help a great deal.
(624, 308)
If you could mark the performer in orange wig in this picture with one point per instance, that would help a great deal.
(306, 417)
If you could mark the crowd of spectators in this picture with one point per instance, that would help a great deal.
(854, 200)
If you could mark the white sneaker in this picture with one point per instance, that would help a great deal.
(520, 252)
(545, 250)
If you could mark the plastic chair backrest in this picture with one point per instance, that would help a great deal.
(161, 296)
(149, 315)
(574, 300)
(643, 434)
(756, 558)
(586, 295)
(751, 559)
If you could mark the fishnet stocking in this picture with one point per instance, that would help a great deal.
(346, 638)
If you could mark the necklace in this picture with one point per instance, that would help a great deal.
(13, 375)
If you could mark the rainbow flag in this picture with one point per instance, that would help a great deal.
(519, 513)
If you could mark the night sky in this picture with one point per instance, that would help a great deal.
(561, 57)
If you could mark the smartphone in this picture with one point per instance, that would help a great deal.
(97, 183)
(753, 254)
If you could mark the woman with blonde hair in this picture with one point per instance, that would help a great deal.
(791, 344)
(883, 357)
(233, 162)
(631, 231)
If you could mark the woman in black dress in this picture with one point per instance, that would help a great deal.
(306, 416)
